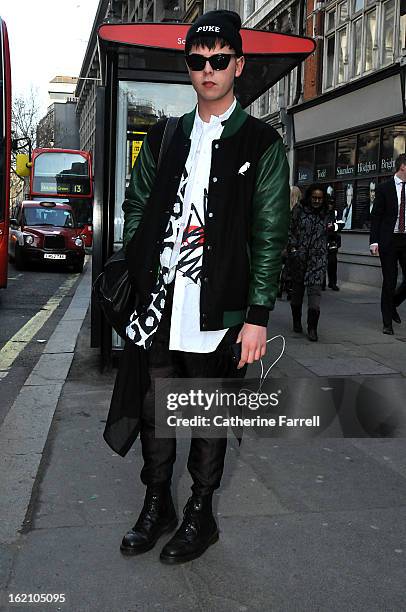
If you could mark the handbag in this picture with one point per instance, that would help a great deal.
(112, 289)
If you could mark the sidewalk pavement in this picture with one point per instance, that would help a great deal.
(305, 525)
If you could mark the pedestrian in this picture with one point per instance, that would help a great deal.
(307, 249)
(333, 244)
(285, 281)
(203, 239)
(295, 196)
(388, 240)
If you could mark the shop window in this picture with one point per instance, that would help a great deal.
(346, 148)
(344, 196)
(305, 162)
(393, 145)
(368, 151)
(324, 161)
(363, 202)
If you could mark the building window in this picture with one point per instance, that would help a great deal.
(370, 41)
(249, 7)
(388, 38)
(357, 5)
(342, 56)
(402, 28)
(362, 36)
(330, 61)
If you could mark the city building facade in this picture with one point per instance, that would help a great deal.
(113, 11)
(342, 115)
(60, 126)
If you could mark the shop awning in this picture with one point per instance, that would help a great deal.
(157, 47)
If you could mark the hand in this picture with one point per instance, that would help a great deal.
(374, 249)
(253, 339)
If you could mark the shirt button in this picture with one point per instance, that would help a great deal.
(216, 146)
(209, 247)
(211, 214)
(205, 279)
(204, 316)
(214, 179)
(204, 324)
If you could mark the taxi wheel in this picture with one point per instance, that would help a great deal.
(19, 259)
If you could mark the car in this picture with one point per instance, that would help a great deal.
(45, 232)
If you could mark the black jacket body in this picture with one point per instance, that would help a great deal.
(384, 214)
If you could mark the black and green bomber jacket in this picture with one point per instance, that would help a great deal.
(246, 222)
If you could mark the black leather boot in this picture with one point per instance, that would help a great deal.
(297, 318)
(312, 321)
(158, 516)
(197, 532)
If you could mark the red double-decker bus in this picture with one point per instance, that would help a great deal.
(5, 149)
(65, 175)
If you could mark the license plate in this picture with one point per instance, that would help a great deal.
(54, 256)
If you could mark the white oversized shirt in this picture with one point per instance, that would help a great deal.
(182, 252)
(185, 322)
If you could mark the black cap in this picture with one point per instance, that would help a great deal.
(220, 24)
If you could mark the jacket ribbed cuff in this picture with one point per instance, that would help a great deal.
(257, 315)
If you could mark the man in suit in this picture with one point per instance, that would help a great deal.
(388, 240)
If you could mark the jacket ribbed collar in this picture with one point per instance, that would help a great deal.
(232, 124)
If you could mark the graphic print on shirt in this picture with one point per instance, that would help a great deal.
(191, 253)
(142, 327)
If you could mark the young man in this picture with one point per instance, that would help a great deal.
(388, 240)
(203, 235)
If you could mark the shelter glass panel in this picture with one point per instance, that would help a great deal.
(140, 105)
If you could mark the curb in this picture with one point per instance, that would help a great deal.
(25, 429)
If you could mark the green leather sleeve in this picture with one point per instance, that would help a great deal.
(138, 191)
(270, 223)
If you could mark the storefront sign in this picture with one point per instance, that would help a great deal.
(366, 167)
(304, 176)
(387, 165)
(345, 170)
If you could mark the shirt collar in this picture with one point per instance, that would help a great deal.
(214, 119)
(398, 181)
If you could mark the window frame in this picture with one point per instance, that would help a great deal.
(361, 17)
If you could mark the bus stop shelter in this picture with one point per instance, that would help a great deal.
(145, 79)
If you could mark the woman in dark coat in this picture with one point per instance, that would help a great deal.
(307, 252)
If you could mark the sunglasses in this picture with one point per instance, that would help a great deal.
(219, 61)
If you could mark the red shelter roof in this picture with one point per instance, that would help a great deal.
(269, 55)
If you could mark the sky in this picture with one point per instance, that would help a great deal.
(47, 38)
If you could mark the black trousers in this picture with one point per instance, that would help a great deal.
(332, 266)
(390, 259)
(206, 456)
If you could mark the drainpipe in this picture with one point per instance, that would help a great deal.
(302, 6)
